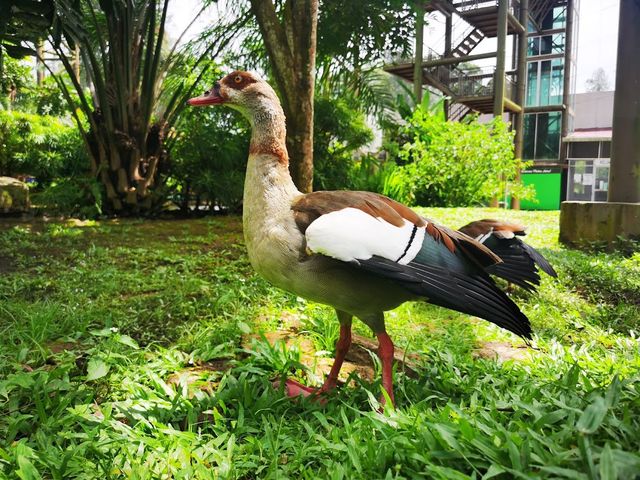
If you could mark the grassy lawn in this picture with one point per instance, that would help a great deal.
(134, 349)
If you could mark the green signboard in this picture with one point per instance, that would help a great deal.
(547, 184)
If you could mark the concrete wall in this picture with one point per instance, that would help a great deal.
(593, 110)
(583, 222)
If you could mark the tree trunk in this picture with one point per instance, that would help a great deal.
(126, 168)
(291, 46)
(40, 62)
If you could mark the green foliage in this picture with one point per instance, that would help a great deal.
(339, 131)
(22, 23)
(357, 38)
(452, 163)
(41, 146)
(131, 109)
(209, 157)
(98, 318)
(14, 76)
(76, 196)
(45, 99)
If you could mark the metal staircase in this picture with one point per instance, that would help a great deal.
(539, 9)
(468, 43)
(457, 111)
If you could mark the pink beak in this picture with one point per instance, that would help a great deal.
(211, 97)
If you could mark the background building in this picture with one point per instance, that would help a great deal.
(529, 77)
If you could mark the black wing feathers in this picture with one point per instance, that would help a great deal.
(471, 293)
(519, 262)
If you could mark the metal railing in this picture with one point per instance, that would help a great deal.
(468, 5)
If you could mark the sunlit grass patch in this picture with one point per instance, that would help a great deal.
(123, 354)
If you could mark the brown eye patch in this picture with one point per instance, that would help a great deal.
(238, 80)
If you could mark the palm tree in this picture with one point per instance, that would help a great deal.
(130, 108)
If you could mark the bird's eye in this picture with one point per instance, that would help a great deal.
(237, 79)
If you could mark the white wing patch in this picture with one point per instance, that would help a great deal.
(484, 236)
(351, 234)
(504, 234)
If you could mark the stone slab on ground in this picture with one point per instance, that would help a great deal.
(14, 196)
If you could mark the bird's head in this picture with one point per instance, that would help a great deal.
(243, 91)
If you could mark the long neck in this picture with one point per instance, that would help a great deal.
(268, 185)
(269, 132)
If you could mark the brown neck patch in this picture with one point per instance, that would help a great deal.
(275, 149)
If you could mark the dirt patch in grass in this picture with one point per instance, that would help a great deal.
(501, 351)
(199, 377)
(6, 265)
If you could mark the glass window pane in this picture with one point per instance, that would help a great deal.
(533, 46)
(602, 183)
(529, 136)
(532, 83)
(583, 150)
(545, 82)
(557, 79)
(579, 187)
(605, 152)
(556, 18)
(557, 45)
(548, 136)
(545, 44)
(559, 17)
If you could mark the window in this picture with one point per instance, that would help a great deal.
(545, 82)
(533, 46)
(556, 18)
(557, 43)
(580, 180)
(545, 45)
(529, 137)
(557, 79)
(583, 150)
(588, 179)
(532, 83)
(605, 150)
(542, 136)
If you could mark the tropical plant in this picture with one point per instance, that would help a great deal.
(339, 131)
(14, 77)
(40, 146)
(126, 118)
(451, 163)
(44, 99)
(209, 159)
(355, 39)
(22, 23)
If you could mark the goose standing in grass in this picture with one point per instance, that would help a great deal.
(359, 252)
(520, 261)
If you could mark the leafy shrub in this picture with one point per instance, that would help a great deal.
(339, 131)
(209, 158)
(41, 146)
(45, 99)
(14, 76)
(75, 197)
(451, 163)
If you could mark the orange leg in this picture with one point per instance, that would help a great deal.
(294, 389)
(385, 352)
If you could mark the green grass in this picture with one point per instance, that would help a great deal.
(96, 319)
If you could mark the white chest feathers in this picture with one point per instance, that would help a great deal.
(351, 234)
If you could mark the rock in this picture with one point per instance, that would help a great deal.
(501, 351)
(14, 196)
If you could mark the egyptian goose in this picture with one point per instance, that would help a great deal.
(359, 252)
(519, 260)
